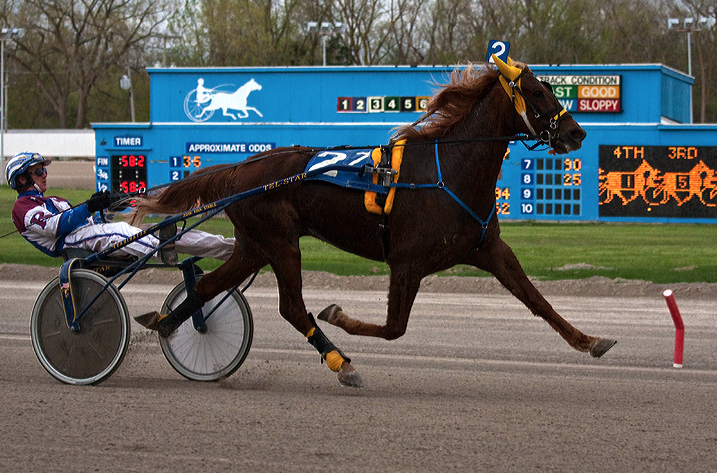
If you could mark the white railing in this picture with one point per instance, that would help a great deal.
(51, 143)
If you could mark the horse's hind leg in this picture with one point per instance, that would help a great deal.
(498, 259)
(402, 292)
(246, 259)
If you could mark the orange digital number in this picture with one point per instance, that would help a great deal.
(571, 179)
(188, 161)
(502, 193)
(629, 152)
(572, 164)
(682, 152)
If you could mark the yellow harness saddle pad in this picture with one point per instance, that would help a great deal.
(396, 160)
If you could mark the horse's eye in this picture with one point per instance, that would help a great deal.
(548, 87)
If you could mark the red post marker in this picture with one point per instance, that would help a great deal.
(679, 328)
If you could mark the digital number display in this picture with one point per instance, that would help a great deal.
(182, 166)
(658, 181)
(381, 104)
(502, 201)
(185, 161)
(550, 187)
(129, 172)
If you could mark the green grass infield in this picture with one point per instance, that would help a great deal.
(661, 253)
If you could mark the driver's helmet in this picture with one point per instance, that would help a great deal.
(19, 163)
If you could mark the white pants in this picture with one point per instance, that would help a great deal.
(101, 236)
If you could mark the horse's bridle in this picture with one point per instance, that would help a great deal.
(547, 135)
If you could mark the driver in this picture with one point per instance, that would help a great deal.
(51, 224)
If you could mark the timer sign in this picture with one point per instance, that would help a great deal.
(129, 172)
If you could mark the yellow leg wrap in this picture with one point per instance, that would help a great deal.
(334, 360)
(329, 353)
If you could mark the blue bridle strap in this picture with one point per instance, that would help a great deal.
(440, 185)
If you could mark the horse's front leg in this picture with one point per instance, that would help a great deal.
(497, 258)
(402, 292)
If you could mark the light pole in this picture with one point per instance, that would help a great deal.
(126, 84)
(5, 34)
(324, 30)
(688, 26)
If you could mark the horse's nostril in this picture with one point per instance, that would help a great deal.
(578, 134)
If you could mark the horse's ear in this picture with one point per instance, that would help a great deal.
(511, 72)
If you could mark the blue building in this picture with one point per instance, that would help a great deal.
(642, 160)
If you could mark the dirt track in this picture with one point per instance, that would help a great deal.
(476, 384)
(595, 286)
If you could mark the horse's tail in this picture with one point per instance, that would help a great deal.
(200, 188)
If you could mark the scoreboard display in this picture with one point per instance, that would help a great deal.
(643, 160)
(658, 181)
(129, 172)
(379, 104)
(550, 186)
(546, 187)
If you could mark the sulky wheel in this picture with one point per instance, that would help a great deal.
(93, 353)
(214, 353)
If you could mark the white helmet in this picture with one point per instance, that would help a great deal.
(19, 163)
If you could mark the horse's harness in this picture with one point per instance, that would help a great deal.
(546, 136)
(386, 173)
(519, 100)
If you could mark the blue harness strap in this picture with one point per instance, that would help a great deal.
(441, 185)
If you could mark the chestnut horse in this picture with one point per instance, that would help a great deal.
(457, 148)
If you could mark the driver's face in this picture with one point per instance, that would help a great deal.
(41, 179)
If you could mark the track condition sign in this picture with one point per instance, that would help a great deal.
(587, 93)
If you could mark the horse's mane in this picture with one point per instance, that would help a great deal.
(452, 103)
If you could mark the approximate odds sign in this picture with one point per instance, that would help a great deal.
(658, 181)
(596, 94)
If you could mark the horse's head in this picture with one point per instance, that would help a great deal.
(253, 85)
(542, 113)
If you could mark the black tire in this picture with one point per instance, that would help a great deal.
(92, 354)
(218, 352)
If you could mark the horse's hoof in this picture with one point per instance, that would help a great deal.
(328, 314)
(601, 346)
(348, 376)
(148, 320)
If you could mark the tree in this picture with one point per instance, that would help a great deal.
(237, 33)
(73, 43)
(705, 41)
(68, 65)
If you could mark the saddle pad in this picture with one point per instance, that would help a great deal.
(358, 158)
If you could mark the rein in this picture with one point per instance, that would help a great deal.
(522, 137)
